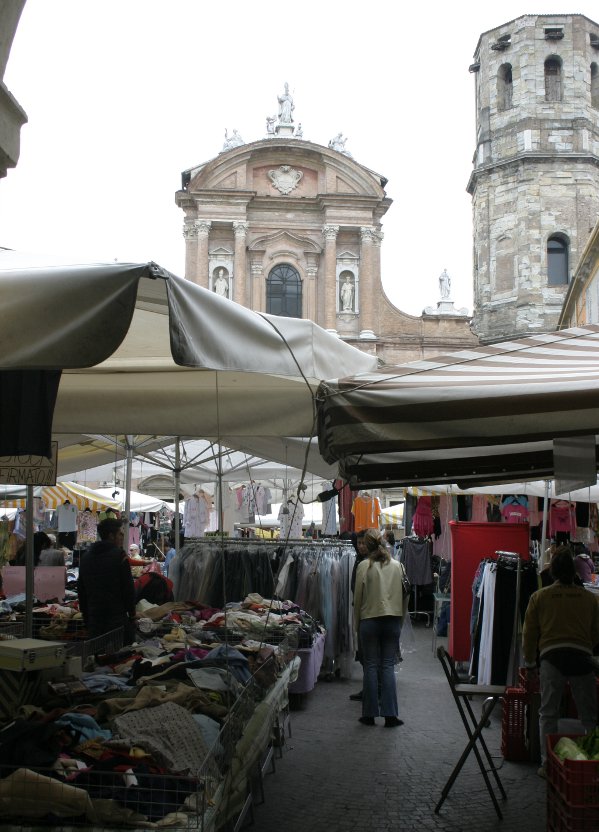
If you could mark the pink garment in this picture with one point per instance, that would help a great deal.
(442, 544)
(479, 508)
(514, 513)
(561, 517)
(134, 535)
(422, 520)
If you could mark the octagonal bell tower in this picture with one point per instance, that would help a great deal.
(535, 182)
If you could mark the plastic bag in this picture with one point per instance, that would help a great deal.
(407, 640)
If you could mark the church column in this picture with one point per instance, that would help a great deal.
(191, 249)
(330, 278)
(239, 267)
(310, 308)
(257, 299)
(203, 232)
(367, 283)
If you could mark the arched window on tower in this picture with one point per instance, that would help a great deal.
(595, 85)
(553, 79)
(557, 260)
(284, 292)
(504, 87)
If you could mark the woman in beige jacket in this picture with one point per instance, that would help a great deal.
(378, 611)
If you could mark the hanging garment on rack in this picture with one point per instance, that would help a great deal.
(87, 526)
(561, 517)
(366, 510)
(291, 519)
(514, 509)
(329, 515)
(416, 556)
(442, 544)
(67, 517)
(479, 508)
(496, 647)
(422, 521)
(487, 606)
(196, 515)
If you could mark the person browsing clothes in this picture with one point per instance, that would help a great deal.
(106, 592)
(378, 612)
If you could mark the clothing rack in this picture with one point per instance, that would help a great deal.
(414, 589)
(511, 557)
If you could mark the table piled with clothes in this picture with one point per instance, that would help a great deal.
(164, 732)
(315, 575)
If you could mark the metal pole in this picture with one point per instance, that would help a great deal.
(129, 471)
(544, 529)
(29, 564)
(177, 490)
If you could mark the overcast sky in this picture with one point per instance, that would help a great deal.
(123, 95)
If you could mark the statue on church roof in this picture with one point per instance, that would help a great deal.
(445, 285)
(234, 140)
(338, 143)
(299, 133)
(270, 125)
(286, 106)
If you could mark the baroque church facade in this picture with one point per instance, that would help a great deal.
(290, 227)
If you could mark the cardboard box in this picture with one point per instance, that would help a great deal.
(31, 654)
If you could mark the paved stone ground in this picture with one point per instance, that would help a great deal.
(340, 776)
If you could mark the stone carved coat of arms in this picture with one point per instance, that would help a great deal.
(285, 178)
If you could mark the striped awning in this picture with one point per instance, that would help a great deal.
(55, 495)
(488, 414)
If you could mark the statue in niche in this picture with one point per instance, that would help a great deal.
(445, 285)
(346, 295)
(286, 106)
(234, 140)
(221, 284)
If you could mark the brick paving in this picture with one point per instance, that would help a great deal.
(337, 775)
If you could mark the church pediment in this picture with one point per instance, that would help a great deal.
(344, 187)
(285, 240)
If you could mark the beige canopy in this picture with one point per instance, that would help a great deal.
(145, 352)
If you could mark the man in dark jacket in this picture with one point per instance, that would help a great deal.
(106, 593)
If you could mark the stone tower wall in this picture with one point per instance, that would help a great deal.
(536, 168)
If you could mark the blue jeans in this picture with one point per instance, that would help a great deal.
(379, 639)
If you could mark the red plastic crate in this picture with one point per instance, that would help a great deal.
(526, 683)
(575, 781)
(564, 818)
(514, 745)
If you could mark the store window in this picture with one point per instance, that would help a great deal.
(284, 292)
(557, 260)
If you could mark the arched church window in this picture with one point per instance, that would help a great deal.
(557, 260)
(284, 292)
(553, 79)
(595, 85)
(504, 87)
